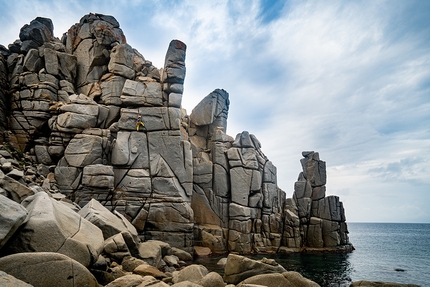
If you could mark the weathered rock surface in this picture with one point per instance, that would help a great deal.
(43, 269)
(12, 215)
(106, 130)
(7, 280)
(238, 268)
(53, 227)
(290, 278)
(212, 279)
(193, 273)
(110, 223)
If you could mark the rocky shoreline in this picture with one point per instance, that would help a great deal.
(106, 180)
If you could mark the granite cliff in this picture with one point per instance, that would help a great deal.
(95, 123)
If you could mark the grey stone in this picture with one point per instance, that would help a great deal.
(141, 94)
(193, 273)
(238, 268)
(67, 65)
(151, 252)
(18, 191)
(16, 174)
(174, 63)
(122, 60)
(170, 217)
(12, 215)
(289, 278)
(7, 280)
(38, 264)
(53, 227)
(239, 212)
(42, 154)
(109, 223)
(116, 248)
(40, 30)
(181, 254)
(330, 233)
(32, 61)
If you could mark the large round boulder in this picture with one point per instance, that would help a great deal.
(47, 269)
(291, 279)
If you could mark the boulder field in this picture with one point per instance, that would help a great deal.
(105, 178)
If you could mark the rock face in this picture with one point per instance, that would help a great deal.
(107, 131)
(313, 220)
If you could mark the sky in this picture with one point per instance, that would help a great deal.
(349, 79)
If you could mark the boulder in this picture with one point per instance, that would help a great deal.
(171, 260)
(39, 31)
(150, 251)
(109, 223)
(290, 278)
(202, 251)
(84, 150)
(146, 269)
(130, 263)
(122, 60)
(12, 215)
(212, 279)
(98, 176)
(141, 94)
(238, 268)
(193, 273)
(7, 280)
(181, 254)
(53, 227)
(46, 269)
(17, 190)
(186, 284)
(116, 248)
(130, 280)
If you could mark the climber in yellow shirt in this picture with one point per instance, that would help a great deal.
(139, 123)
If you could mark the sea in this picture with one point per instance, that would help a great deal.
(389, 252)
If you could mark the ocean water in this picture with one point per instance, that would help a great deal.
(392, 252)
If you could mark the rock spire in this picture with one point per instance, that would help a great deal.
(106, 129)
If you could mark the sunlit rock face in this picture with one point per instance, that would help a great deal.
(110, 127)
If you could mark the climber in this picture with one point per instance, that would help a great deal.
(139, 123)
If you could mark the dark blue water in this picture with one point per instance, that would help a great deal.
(381, 248)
